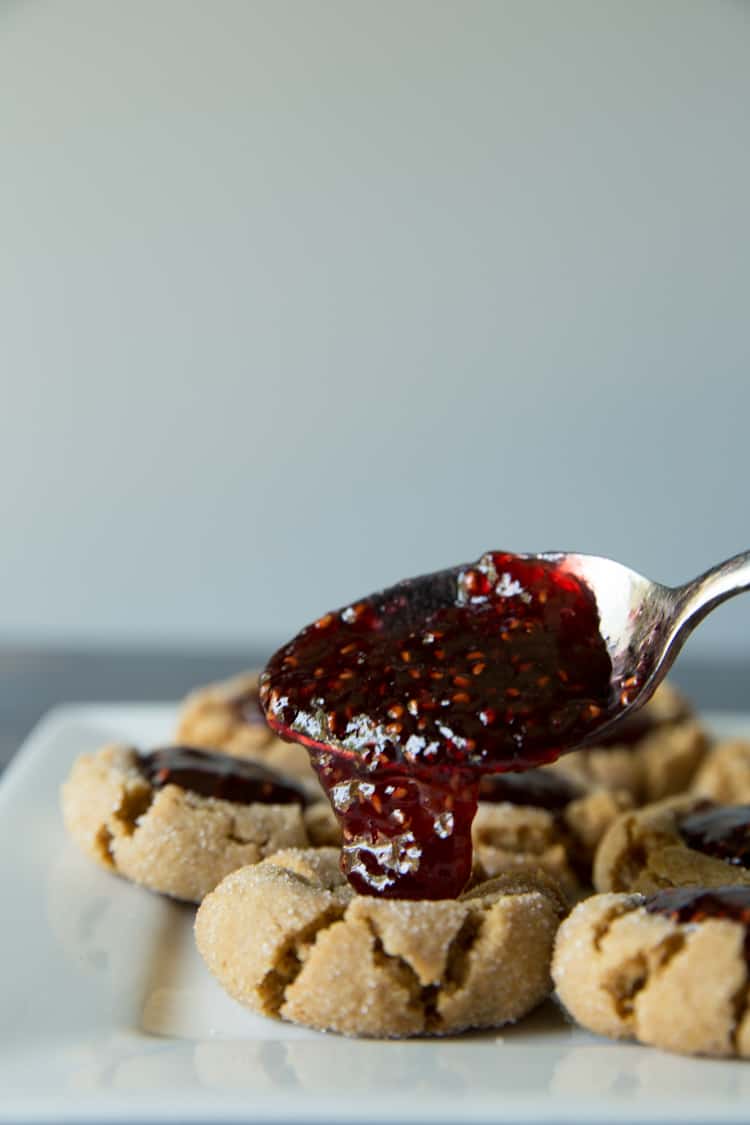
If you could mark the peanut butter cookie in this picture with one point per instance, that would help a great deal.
(724, 776)
(670, 970)
(679, 842)
(653, 754)
(542, 819)
(178, 820)
(290, 938)
(227, 716)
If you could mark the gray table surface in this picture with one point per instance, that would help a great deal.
(32, 680)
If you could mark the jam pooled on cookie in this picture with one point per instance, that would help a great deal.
(212, 774)
(538, 788)
(407, 697)
(244, 703)
(721, 831)
(696, 904)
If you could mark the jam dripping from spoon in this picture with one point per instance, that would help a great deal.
(406, 698)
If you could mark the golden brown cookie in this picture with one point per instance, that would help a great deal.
(724, 776)
(654, 754)
(226, 716)
(289, 938)
(542, 819)
(670, 970)
(135, 814)
(674, 843)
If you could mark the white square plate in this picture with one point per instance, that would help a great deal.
(107, 1013)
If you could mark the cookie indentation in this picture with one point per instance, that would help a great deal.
(723, 832)
(288, 937)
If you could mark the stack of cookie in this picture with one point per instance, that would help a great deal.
(234, 819)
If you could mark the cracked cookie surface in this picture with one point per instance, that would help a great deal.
(168, 838)
(658, 753)
(226, 716)
(289, 938)
(650, 849)
(625, 969)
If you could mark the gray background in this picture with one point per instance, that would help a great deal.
(298, 298)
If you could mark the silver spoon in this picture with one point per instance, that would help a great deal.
(645, 624)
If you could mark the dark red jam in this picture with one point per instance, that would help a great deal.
(696, 904)
(401, 831)
(722, 832)
(246, 706)
(538, 788)
(220, 775)
(408, 696)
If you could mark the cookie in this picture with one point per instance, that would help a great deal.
(227, 716)
(679, 842)
(180, 819)
(542, 819)
(655, 753)
(289, 938)
(670, 970)
(724, 776)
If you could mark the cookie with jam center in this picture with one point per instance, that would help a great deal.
(179, 819)
(542, 819)
(226, 716)
(679, 842)
(653, 754)
(670, 969)
(290, 939)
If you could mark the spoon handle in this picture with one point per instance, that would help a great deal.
(696, 599)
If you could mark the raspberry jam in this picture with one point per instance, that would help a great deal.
(246, 706)
(402, 834)
(405, 698)
(538, 788)
(722, 832)
(695, 904)
(212, 774)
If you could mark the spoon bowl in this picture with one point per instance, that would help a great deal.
(644, 624)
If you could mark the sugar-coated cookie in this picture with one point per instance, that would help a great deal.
(653, 754)
(289, 938)
(179, 819)
(670, 970)
(227, 716)
(542, 819)
(675, 843)
(724, 776)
